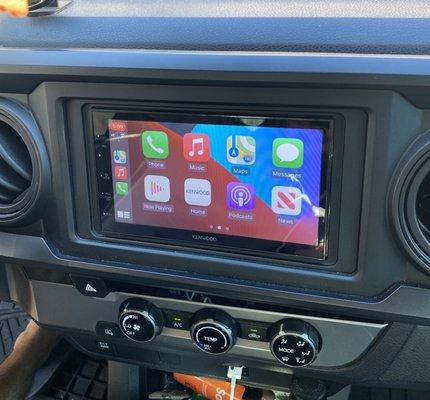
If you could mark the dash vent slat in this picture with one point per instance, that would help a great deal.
(25, 174)
(15, 165)
(14, 152)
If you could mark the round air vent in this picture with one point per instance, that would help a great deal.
(24, 167)
(410, 201)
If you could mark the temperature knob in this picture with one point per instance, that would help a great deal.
(295, 343)
(140, 320)
(213, 331)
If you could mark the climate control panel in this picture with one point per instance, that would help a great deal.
(293, 342)
(151, 329)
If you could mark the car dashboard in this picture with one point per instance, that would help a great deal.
(191, 186)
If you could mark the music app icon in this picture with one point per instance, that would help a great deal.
(197, 147)
(121, 173)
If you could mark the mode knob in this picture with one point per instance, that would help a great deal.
(295, 343)
(213, 331)
(140, 320)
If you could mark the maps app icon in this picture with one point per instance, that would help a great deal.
(241, 150)
(120, 156)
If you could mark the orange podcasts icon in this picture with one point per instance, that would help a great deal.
(17, 8)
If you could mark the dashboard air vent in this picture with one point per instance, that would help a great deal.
(24, 166)
(15, 166)
(410, 201)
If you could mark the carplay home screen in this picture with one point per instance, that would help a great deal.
(241, 180)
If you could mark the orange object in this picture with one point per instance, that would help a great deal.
(18, 8)
(211, 389)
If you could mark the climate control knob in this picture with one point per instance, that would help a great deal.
(140, 320)
(295, 343)
(213, 331)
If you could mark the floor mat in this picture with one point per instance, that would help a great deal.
(80, 378)
(12, 322)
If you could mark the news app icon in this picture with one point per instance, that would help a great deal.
(121, 173)
(287, 200)
(196, 147)
(157, 188)
(240, 196)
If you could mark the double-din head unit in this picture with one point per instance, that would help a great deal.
(248, 184)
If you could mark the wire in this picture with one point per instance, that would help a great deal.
(234, 374)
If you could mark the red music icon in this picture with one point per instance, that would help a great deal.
(197, 147)
(121, 173)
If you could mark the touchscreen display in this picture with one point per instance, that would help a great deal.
(229, 181)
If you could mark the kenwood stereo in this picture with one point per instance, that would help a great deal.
(249, 184)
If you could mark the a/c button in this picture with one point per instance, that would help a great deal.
(177, 319)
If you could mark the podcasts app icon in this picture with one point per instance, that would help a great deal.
(240, 196)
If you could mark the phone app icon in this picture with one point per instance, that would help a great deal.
(196, 147)
(121, 188)
(240, 196)
(157, 188)
(287, 200)
(198, 192)
(121, 173)
(120, 156)
(241, 150)
(287, 153)
(155, 144)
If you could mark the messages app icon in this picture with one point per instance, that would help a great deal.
(287, 153)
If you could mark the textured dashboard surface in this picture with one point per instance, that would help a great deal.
(349, 26)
